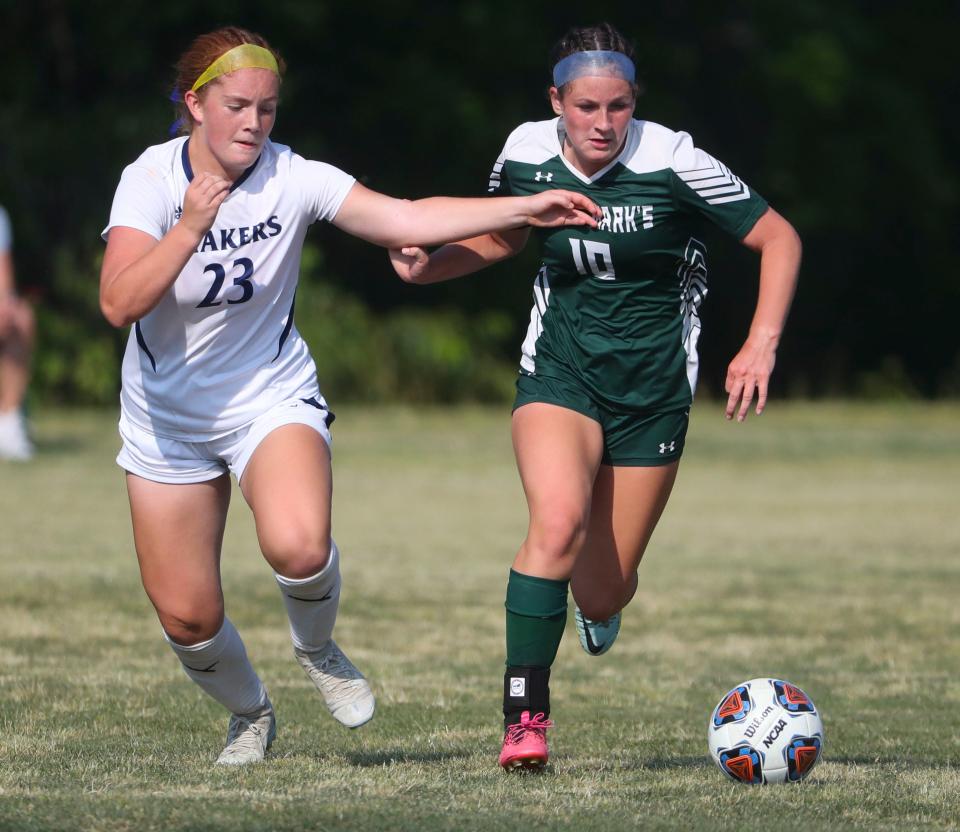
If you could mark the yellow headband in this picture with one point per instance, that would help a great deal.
(244, 56)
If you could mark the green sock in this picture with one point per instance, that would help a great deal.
(536, 616)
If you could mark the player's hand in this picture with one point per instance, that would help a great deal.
(409, 263)
(203, 199)
(749, 375)
(552, 208)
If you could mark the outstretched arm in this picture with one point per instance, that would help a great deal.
(393, 223)
(414, 265)
(749, 373)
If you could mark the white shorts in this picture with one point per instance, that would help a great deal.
(161, 459)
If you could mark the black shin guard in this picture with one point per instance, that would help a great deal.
(525, 689)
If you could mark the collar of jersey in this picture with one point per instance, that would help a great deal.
(629, 146)
(188, 168)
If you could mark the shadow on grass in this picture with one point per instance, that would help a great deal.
(367, 759)
(659, 763)
(622, 764)
(898, 762)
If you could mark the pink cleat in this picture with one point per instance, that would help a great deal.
(525, 744)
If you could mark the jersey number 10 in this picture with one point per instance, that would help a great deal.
(597, 257)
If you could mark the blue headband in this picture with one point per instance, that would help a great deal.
(597, 62)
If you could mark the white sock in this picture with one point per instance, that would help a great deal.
(312, 603)
(221, 667)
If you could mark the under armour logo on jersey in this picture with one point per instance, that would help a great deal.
(664, 447)
(546, 177)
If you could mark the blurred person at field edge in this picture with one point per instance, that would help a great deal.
(609, 364)
(16, 347)
(203, 254)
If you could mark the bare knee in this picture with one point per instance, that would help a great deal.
(297, 553)
(190, 624)
(559, 535)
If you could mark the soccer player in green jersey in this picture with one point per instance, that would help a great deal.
(609, 364)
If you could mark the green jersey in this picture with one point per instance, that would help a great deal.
(617, 306)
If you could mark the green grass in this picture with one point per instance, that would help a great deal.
(819, 543)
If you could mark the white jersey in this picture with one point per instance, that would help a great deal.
(221, 347)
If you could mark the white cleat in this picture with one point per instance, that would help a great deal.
(596, 637)
(248, 738)
(346, 692)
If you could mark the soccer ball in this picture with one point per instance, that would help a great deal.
(765, 731)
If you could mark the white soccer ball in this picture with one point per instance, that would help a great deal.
(765, 731)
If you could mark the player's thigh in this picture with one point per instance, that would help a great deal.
(628, 502)
(558, 453)
(178, 532)
(288, 484)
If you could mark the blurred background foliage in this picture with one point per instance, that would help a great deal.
(841, 113)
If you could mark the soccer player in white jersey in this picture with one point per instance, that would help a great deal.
(609, 365)
(202, 258)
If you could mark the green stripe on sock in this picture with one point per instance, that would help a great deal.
(536, 617)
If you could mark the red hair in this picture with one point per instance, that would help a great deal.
(203, 52)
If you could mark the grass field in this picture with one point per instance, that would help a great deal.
(818, 543)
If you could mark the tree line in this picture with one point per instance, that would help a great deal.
(840, 113)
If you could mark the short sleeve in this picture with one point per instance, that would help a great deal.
(706, 186)
(6, 234)
(142, 202)
(499, 184)
(323, 187)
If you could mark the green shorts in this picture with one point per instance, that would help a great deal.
(629, 438)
